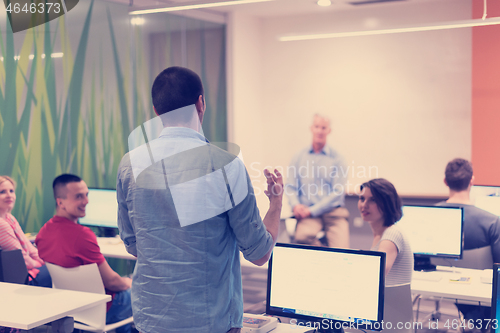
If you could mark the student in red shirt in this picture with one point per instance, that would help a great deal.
(64, 242)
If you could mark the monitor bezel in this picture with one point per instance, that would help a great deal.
(473, 196)
(442, 255)
(494, 296)
(94, 225)
(480, 185)
(380, 315)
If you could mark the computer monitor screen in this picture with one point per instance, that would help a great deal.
(495, 299)
(102, 209)
(486, 197)
(433, 231)
(326, 286)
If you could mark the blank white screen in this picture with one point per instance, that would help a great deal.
(102, 209)
(340, 284)
(433, 230)
(487, 198)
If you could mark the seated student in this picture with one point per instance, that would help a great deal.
(481, 228)
(380, 206)
(12, 236)
(64, 242)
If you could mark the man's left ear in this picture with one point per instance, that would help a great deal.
(200, 102)
(200, 106)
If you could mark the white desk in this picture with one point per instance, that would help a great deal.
(113, 247)
(26, 307)
(475, 291)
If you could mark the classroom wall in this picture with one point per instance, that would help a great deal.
(245, 110)
(400, 104)
(75, 113)
(486, 97)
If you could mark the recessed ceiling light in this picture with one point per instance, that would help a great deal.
(137, 20)
(324, 3)
(424, 27)
(194, 5)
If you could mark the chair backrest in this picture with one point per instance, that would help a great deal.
(82, 278)
(398, 308)
(12, 267)
(479, 258)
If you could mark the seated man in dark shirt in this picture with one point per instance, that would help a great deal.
(481, 228)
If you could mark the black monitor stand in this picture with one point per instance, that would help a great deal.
(328, 330)
(423, 264)
(107, 232)
(318, 327)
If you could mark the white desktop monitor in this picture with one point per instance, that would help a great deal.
(102, 209)
(327, 287)
(433, 231)
(486, 197)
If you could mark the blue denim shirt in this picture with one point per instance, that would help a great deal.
(317, 180)
(187, 276)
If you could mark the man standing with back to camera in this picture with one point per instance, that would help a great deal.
(316, 190)
(186, 215)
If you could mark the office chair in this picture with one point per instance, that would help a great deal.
(398, 307)
(88, 279)
(287, 231)
(12, 267)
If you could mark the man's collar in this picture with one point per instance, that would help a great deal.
(181, 132)
(323, 150)
(59, 219)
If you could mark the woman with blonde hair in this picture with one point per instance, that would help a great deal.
(12, 236)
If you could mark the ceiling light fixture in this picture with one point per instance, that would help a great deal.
(324, 3)
(427, 27)
(195, 5)
(137, 20)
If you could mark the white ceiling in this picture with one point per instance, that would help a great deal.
(270, 8)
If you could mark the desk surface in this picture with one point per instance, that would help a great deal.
(474, 290)
(113, 247)
(26, 307)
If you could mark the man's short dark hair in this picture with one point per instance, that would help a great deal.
(458, 174)
(59, 184)
(174, 88)
(387, 199)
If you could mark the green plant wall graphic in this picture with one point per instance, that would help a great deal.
(70, 94)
